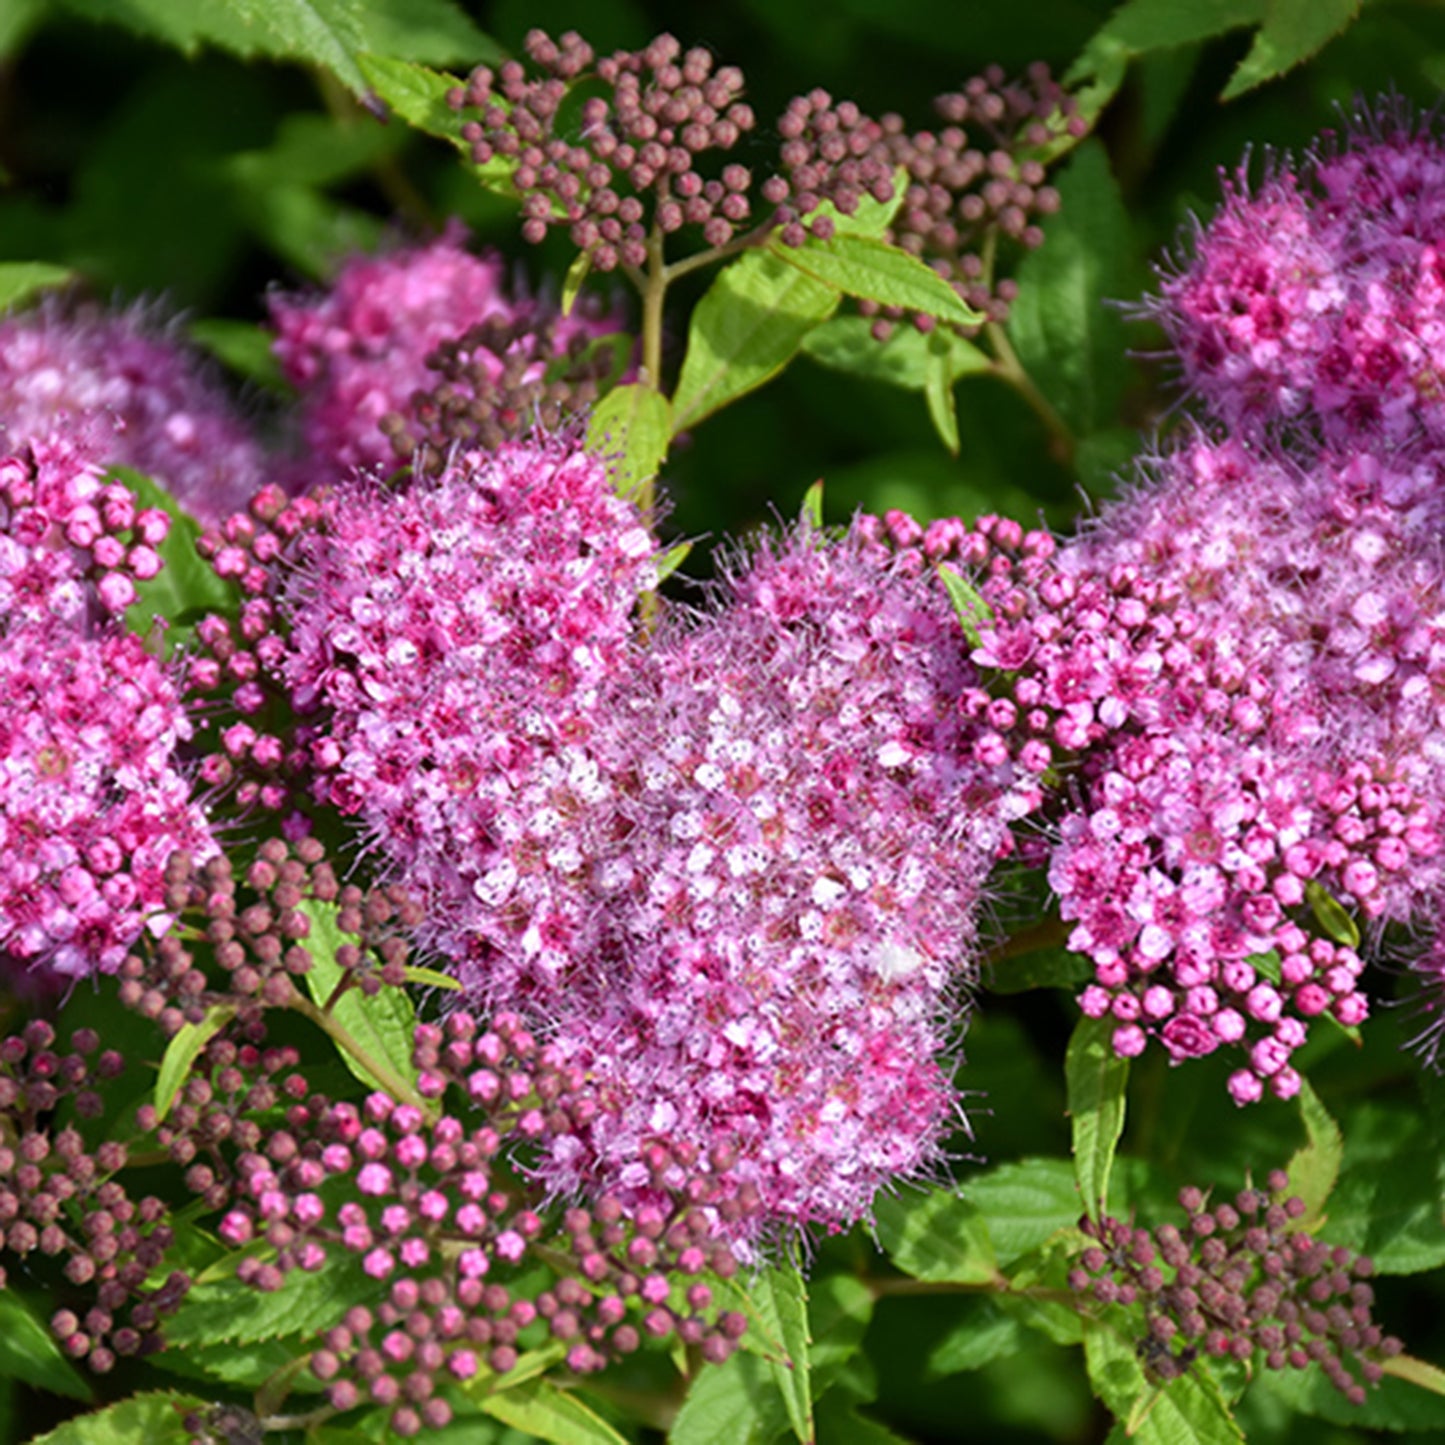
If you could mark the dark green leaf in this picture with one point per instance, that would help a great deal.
(1144, 25)
(1293, 30)
(1071, 341)
(29, 1351)
(545, 1410)
(20, 280)
(904, 360)
(384, 1025)
(243, 347)
(872, 270)
(780, 1295)
(1097, 1079)
(982, 1335)
(1025, 1204)
(747, 327)
(1041, 968)
(735, 1403)
(842, 1422)
(936, 1236)
(631, 427)
(1189, 1410)
(1315, 1168)
(151, 1419)
(839, 1309)
(183, 1051)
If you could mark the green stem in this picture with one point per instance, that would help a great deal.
(382, 1072)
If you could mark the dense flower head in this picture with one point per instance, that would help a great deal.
(1240, 1279)
(793, 909)
(131, 394)
(93, 800)
(1315, 298)
(462, 637)
(358, 351)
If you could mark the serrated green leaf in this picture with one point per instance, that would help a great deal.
(186, 587)
(548, 1412)
(384, 1025)
(243, 347)
(1293, 30)
(780, 1296)
(936, 1236)
(1314, 1169)
(431, 978)
(1068, 337)
(968, 605)
(735, 1403)
(183, 1051)
(1396, 1403)
(154, 1418)
(631, 427)
(1025, 1203)
(1041, 968)
(1189, 1410)
(222, 1310)
(938, 391)
(1144, 25)
(1332, 915)
(747, 327)
(984, 1333)
(840, 1307)
(247, 1366)
(20, 280)
(847, 343)
(29, 1351)
(1097, 1079)
(872, 270)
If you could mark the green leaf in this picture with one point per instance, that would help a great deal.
(780, 1295)
(904, 360)
(872, 270)
(186, 588)
(1140, 26)
(20, 280)
(1398, 1402)
(183, 1051)
(220, 1309)
(1097, 1079)
(431, 978)
(734, 1403)
(968, 605)
(1332, 915)
(1314, 1169)
(937, 1236)
(812, 509)
(938, 391)
(1189, 1410)
(1026, 1204)
(1070, 340)
(384, 1025)
(572, 283)
(1293, 30)
(1416, 1372)
(631, 427)
(747, 327)
(543, 1409)
(840, 1307)
(1041, 968)
(29, 1351)
(838, 1420)
(983, 1334)
(155, 1418)
(243, 347)
(249, 1366)
(672, 559)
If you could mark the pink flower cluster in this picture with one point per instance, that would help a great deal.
(1316, 298)
(127, 393)
(357, 353)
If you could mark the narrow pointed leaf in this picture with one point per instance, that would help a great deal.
(1315, 1168)
(183, 1051)
(968, 606)
(938, 392)
(631, 428)
(1097, 1079)
(1293, 30)
(781, 1297)
(20, 280)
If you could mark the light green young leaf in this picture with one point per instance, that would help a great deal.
(1068, 337)
(572, 283)
(938, 391)
(383, 1025)
(812, 511)
(183, 1051)
(1332, 915)
(1293, 30)
(780, 1295)
(544, 1410)
(968, 606)
(1097, 1080)
(155, 1418)
(29, 1351)
(20, 280)
(872, 270)
(904, 360)
(672, 559)
(936, 1236)
(631, 428)
(1189, 1410)
(747, 327)
(1314, 1169)
(431, 978)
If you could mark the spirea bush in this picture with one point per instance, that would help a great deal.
(526, 915)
